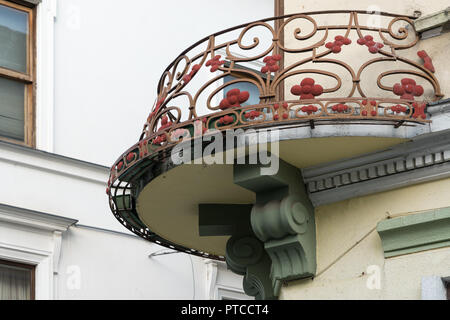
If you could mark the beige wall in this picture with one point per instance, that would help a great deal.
(347, 243)
(355, 55)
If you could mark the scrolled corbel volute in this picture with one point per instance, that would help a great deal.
(283, 219)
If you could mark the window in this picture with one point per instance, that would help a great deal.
(16, 281)
(243, 86)
(17, 75)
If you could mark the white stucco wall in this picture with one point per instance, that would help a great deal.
(111, 266)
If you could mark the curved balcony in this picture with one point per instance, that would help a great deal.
(317, 72)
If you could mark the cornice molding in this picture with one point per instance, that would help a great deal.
(425, 158)
(416, 232)
(34, 219)
(51, 162)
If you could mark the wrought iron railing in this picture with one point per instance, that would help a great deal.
(193, 94)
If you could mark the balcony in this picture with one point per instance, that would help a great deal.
(334, 83)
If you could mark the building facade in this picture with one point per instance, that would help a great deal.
(356, 91)
(357, 206)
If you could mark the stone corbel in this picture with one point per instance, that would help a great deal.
(283, 219)
(273, 240)
(245, 254)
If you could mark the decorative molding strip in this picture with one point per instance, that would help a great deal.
(425, 158)
(433, 24)
(45, 102)
(34, 219)
(441, 106)
(416, 232)
(42, 160)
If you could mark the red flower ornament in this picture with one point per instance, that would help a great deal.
(225, 120)
(234, 99)
(165, 123)
(408, 89)
(419, 110)
(339, 41)
(143, 151)
(130, 157)
(252, 114)
(373, 46)
(283, 111)
(154, 112)
(307, 89)
(271, 63)
(309, 109)
(369, 107)
(427, 62)
(340, 108)
(215, 63)
(191, 74)
(399, 109)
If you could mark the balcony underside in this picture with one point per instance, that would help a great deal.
(168, 204)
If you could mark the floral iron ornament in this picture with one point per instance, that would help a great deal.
(322, 81)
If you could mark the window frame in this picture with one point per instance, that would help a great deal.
(28, 78)
(30, 268)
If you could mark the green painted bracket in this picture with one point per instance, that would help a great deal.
(282, 218)
(272, 241)
(415, 232)
(224, 219)
(245, 254)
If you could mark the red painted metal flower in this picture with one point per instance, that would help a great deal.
(271, 63)
(340, 108)
(226, 120)
(339, 41)
(419, 110)
(252, 114)
(399, 109)
(165, 123)
(191, 74)
(408, 89)
(373, 46)
(309, 109)
(154, 112)
(307, 89)
(369, 107)
(234, 98)
(283, 111)
(215, 63)
(131, 156)
(427, 62)
(160, 139)
(143, 151)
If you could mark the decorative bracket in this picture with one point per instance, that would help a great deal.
(282, 218)
(272, 241)
(245, 254)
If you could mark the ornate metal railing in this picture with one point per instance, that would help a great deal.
(191, 91)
